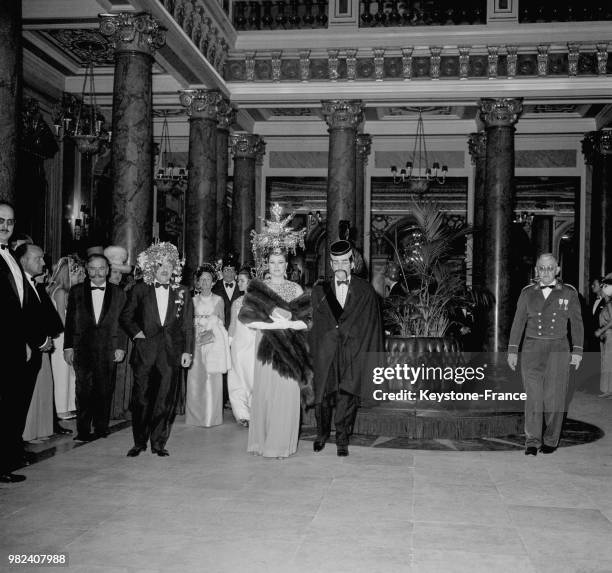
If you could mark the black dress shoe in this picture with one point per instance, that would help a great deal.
(135, 451)
(317, 446)
(547, 449)
(11, 478)
(84, 438)
(161, 452)
(102, 433)
(342, 451)
(531, 451)
(61, 430)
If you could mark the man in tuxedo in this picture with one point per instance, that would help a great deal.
(93, 344)
(159, 318)
(393, 287)
(228, 290)
(21, 331)
(346, 330)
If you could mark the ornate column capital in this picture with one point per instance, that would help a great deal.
(226, 115)
(133, 32)
(477, 144)
(500, 112)
(342, 114)
(588, 147)
(201, 104)
(603, 141)
(247, 145)
(364, 146)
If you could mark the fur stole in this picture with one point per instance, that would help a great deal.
(287, 350)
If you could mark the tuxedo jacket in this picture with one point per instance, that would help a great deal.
(141, 314)
(88, 338)
(22, 323)
(219, 289)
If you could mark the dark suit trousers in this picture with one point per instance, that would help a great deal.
(345, 405)
(545, 372)
(94, 392)
(154, 396)
(15, 401)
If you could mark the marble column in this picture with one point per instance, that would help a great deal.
(225, 118)
(477, 144)
(542, 234)
(11, 77)
(499, 116)
(135, 37)
(363, 145)
(245, 149)
(201, 197)
(597, 147)
(343, 118)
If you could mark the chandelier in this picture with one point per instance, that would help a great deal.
(81, 119)
(417, 172)
(167, 176)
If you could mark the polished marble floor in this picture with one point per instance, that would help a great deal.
(212, 508)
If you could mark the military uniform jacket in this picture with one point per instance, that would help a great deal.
(547, 318)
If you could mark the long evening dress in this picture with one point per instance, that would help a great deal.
(39, 423)
(204, 398)
(605, 381)
(240, 377)
(64, 377)
(275, 407)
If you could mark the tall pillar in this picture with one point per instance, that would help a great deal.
(499, 116)
(542, 234)
(135, 37)
(245, 148)
(201, 198)
(225, 118)
(477, 144)
(11, 76)
(363, 145)
(343, 118)
(597, 147)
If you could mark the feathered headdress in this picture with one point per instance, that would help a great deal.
(152, 257)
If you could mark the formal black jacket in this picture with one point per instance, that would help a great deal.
(343, 341)
(141, 314)
(87, 338)
(219, 289)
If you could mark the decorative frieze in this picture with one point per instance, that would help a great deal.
(543, 59)
(351, 65)
(573, 55)
(342, 114)
(379, 63)
(304, 65)
(511, 60)
(249, 66)
(500, 112)
(133, 32)
(332, 64)
(407, 62)
(276, 66)
(493, 59)
(602, 59)
(434, 68)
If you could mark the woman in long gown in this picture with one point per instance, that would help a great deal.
(242, 350)
(275, 407)
(605, 334)
(204, 399)
(68, 272)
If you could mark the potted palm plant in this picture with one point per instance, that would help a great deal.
(424, 324)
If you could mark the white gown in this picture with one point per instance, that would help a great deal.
(240, 377)
(64, 378)
(204, 398)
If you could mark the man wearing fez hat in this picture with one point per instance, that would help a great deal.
(346, 327)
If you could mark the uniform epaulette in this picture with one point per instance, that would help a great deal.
(529, 285)
(569, 286)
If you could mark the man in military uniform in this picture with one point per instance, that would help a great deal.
(542, 312)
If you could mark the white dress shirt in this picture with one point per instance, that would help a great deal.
(162, 295)
(546, 291)
(97, 298)
(32, 282)
(15, 270)
(596, 304)
(229, 291)
(341, 292)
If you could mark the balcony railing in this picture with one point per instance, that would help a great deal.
(422, 13)
(568, 11)
(280, 14)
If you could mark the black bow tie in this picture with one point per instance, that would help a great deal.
(342, 283)
(97, 288)
(229, 285)
(546, 286)
(3, 246)
(162, 285)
